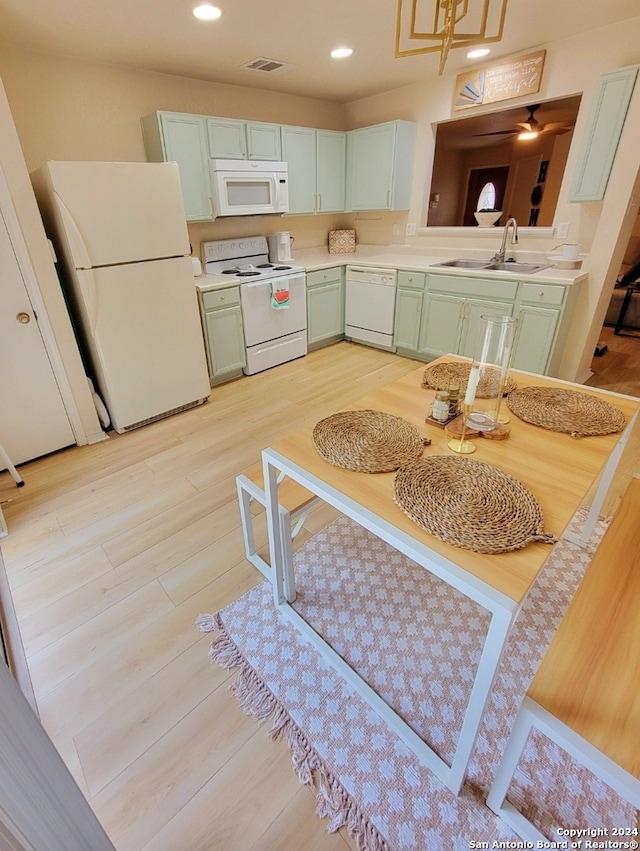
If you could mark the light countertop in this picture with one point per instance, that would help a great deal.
(397, 257)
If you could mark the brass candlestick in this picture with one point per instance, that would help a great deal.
(465, 447)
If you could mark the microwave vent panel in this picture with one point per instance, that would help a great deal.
(269, 66)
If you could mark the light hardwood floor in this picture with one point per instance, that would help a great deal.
(114, 550)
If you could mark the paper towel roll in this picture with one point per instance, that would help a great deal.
(196, 265)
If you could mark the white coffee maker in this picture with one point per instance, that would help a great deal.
(280, 247)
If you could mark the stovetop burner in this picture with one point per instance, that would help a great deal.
(243, 258)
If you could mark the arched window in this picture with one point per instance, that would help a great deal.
(487, 197)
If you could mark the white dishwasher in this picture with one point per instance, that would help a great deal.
(370, 305)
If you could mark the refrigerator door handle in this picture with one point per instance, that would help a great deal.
(81, 259)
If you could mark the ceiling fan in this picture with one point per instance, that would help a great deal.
(532, 126)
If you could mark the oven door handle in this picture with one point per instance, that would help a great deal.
(282, 279)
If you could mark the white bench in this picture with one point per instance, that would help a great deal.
(294, 504)
(585, 696)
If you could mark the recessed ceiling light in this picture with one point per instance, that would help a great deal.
(476, 54)
(207, 12)
(341, 52)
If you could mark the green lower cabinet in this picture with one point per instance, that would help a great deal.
(441, 324)
(471, 328)
(406, 332)
(325, 307)
(535, 338)
(452, 310)
(223, 334)
(451, 324)
(409, 302)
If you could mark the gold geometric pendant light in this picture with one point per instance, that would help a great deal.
(448, 23)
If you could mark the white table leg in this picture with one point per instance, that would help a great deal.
(533, 715)
(280, 551)
(604, 483)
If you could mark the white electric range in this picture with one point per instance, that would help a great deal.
(273, 299)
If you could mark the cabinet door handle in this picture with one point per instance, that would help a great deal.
(319, 201)
(388, 199)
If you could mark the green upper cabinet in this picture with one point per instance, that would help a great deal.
(227, 139)
(331, 168)
(380, 166)
(606, 120)
(231, 139)
(263, 141)
(299, 152)
(317, 164)
(182, 138)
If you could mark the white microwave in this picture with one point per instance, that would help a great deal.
(249, 187)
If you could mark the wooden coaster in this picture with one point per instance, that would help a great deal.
(500, 432)
(454, 429)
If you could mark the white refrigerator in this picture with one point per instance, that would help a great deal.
(120, 233)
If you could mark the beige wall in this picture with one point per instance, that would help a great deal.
(65, 109)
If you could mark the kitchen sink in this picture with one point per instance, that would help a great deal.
(464, 264)
(514, 266)
(494, 266)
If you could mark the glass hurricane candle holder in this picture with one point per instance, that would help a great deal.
(489, 370)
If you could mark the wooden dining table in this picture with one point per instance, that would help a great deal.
(557, 468)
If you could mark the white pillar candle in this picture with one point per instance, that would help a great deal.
(472, 386)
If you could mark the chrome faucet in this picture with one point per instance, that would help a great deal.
(499, 255)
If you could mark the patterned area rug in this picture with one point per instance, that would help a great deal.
(354, 590)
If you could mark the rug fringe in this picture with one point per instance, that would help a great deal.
(257, 700)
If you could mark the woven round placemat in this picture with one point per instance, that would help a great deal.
(367, 441)
(469, 504)
(568, 411)
(440, 376)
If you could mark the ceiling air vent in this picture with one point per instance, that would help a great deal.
(269, 66)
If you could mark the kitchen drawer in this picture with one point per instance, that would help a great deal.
(221, 298)
(484, 287)
(323, 276)
(542, 294)
(411, 280)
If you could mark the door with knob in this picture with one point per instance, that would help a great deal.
(33, 419)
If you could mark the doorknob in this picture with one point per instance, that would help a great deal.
(23, 318)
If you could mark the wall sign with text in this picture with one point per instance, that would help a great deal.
(513, 79)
